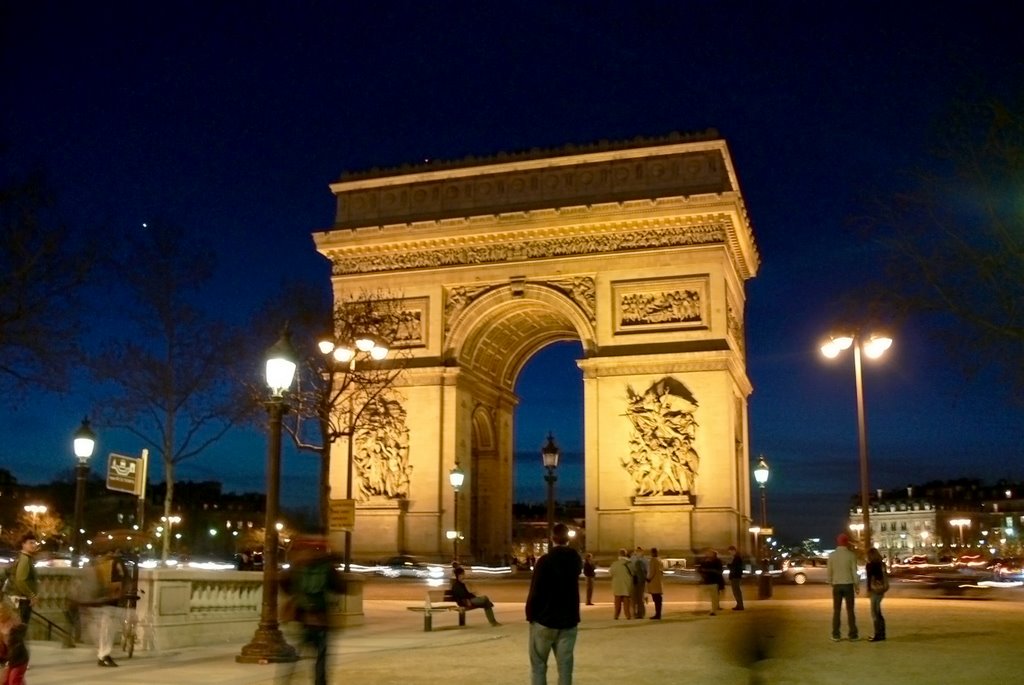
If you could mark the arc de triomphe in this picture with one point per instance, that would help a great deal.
(640, 252)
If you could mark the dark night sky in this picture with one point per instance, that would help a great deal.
(232, 118)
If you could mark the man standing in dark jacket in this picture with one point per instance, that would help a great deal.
(553, 609)
(736, 577)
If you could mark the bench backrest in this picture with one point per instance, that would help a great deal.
(435, 597)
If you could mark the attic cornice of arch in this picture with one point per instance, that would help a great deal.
(455, 170)
(674, 209)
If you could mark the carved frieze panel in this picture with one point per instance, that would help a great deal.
(381, 451)
(401, 322)
(411, 324)
(644, 306)
(662, 460)
(523, 246)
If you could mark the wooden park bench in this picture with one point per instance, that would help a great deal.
(437, 603)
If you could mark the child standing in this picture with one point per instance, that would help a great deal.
(13, 652)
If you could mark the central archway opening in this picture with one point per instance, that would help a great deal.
(550, 392)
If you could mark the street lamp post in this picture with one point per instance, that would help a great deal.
(764, 585)
(456, 478)
(874, 347)
(858, 528)
(268, 644)
(960, 523)
(84, 443)
(171, 522)
(550, 453)
(761, 476)
(35, 510)
(347, 356)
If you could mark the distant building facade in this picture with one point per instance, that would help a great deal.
(945, 519)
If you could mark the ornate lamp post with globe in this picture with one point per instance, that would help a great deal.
(456, 477)
(84, 443)
(550, 453)
(764, 584)
(268, 644)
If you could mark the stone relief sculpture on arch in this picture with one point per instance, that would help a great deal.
(661, 459)
(381, 451)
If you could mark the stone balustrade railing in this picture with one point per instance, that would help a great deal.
(187, 607)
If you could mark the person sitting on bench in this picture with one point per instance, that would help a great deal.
(464, 598)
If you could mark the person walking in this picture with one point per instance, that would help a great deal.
(736, 577)
(711, 578)
(24, 583)
(589, 572)
(842, 576)
(463, 597)
(622, 584)
(313, 575)
(655, 572)
(99, 596)
(553, 609)
(878, 584)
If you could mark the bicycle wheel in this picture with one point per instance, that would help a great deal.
(128, 636)
(129, 639)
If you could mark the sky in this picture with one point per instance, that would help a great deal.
(233, 118)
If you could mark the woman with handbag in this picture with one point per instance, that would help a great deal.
(878, 585)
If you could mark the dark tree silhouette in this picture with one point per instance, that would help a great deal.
(955, 241)
(41, 272)
(170, 367)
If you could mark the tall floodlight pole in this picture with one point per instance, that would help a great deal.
(268, 644)
(84, 442)
(874, 346)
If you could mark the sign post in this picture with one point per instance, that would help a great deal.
(342, 516)
(128, 475)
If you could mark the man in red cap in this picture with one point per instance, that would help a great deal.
(842, 576)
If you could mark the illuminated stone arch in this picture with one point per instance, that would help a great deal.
(639, 252)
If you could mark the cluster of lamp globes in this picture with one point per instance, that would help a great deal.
(874, 347)
(281, 358)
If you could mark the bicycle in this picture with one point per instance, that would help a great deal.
(130, 622)
(129, 625)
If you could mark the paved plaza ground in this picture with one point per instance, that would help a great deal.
(780, 641)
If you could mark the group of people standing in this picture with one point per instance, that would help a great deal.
(633, 578)
(844, 579)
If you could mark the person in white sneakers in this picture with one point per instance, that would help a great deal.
(842, 576)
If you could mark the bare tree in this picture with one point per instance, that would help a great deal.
(41, 271)
(956, 241)
(335, 398)
(171, 367)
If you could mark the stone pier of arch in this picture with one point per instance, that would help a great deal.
(640, 253)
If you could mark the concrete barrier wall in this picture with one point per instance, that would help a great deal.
(186, 607)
